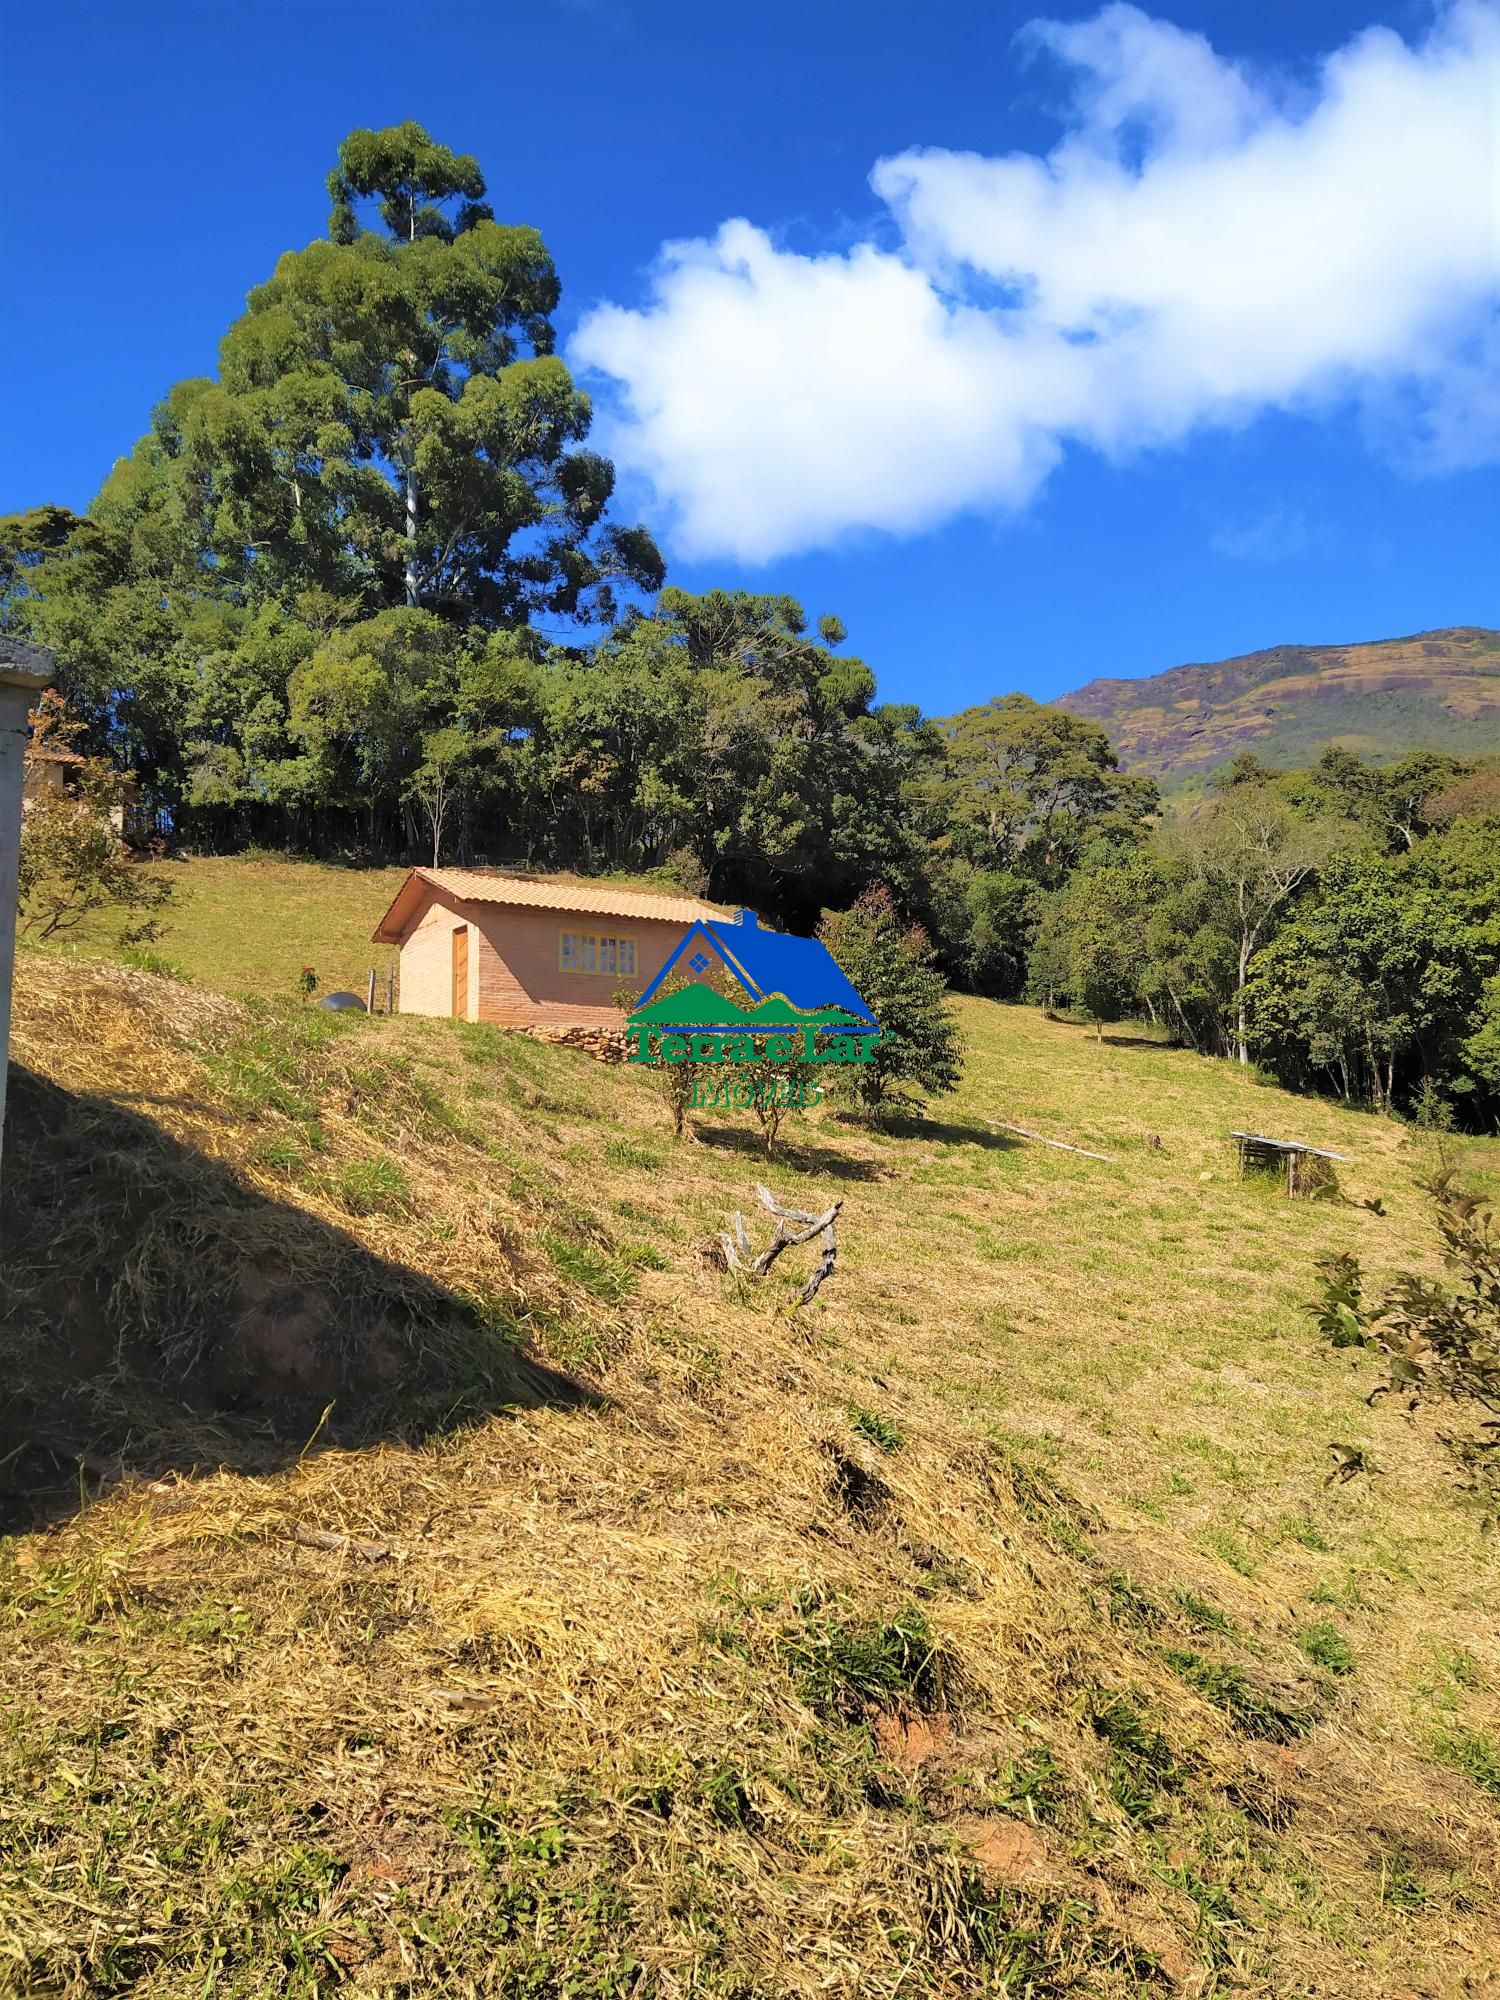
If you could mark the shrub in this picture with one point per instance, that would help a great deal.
(73, 861)
(891, 965)
(1440, 1342)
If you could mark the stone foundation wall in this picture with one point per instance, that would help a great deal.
(606, 1045)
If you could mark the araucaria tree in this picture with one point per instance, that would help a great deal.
(389, 420)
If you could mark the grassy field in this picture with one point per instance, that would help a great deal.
(987, 1628)
(250, 926)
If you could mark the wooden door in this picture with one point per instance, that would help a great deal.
(461, 972)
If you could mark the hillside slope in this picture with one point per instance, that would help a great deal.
(986, 1628)
(1436, 690)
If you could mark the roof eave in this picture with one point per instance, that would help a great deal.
(396, 922)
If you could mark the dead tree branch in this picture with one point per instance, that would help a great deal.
(794, 1226)
(323, 1538)
(1058, 1145)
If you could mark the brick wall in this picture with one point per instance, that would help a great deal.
(514, 975)
(427, 958)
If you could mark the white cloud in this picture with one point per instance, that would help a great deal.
(1270, 536)
(1197, 248)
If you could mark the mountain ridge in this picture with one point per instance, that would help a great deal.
(1438, 689)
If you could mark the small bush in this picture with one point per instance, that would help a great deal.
(892, 967)
(1438, 1343)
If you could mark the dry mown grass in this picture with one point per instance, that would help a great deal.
(986, 1628)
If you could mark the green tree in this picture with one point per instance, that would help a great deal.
(414, 179)
(1378, 982)
(1092, 942)
(1028, 786)
(1188, 979)
(437, 784)
(986, 919)
(891, 965)
(389, 419)
(1256, 851)
(1481, 1048)
(755, 745)
(1392, 803)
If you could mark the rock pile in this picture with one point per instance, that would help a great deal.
(606, 1045)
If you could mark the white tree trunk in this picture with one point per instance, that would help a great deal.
(411, 534)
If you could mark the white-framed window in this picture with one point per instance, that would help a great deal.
(593, 951)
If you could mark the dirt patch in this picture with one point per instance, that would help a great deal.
(1008, 1850)
(910, 1741)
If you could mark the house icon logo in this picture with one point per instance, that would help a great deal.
(733, 992)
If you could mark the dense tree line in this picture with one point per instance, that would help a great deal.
(360, 594)
(1341, 925)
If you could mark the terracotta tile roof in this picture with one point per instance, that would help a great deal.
(538, 892)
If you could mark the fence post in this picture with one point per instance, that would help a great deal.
(390, 989)
(370, 996)
(24, 672)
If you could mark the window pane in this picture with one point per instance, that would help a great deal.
(590, 945)
(570, 951)
(627, 957)
(607, 954)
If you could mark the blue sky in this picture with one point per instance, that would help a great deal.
(1145, 448)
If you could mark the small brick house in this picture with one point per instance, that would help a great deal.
(529, 951)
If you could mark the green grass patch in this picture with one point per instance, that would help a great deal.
(1201, 1615)
(1229, 1549)
(1254, 1711)
(873, 1427)
(1141, 1765)
(1326, 1646)
(841, 1665)
(372, 1187)
(603, 1276)
(1473, 1753)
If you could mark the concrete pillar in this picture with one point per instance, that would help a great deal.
(24, 672)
